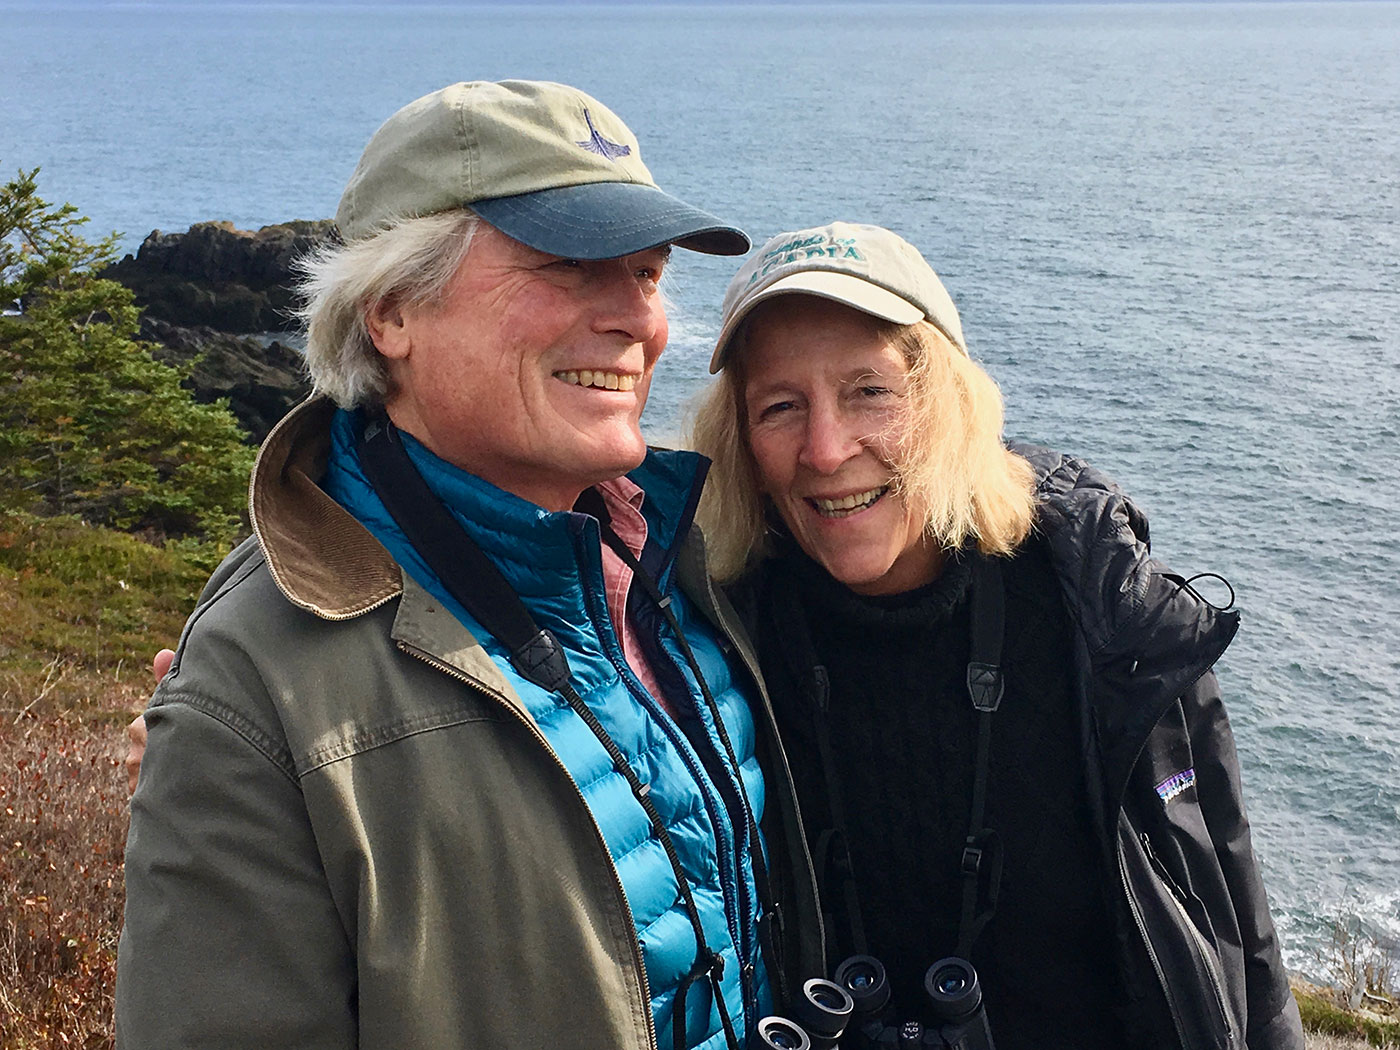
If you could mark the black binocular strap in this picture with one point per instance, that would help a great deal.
(475, 581)
(767, 921)
(832, 856)
(981, 857)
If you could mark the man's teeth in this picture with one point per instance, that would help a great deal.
(846, 505)
(600, 380)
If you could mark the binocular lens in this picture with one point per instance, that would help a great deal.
(864, 978)
(951, 982)
(953, 988)
(779, 1033)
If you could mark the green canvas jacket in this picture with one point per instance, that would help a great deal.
(348, 831)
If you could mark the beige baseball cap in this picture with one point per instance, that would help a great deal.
(544, 163)
(866, 267)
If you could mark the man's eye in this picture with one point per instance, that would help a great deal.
(875, 391)
(568, 264)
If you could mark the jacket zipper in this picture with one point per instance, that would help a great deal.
(1134, 907)
(501, 700)
(777, 982)
(1196, 936)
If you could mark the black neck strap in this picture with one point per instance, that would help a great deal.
(475, 581)
(467, 573)
(830, 853)
(981, 859)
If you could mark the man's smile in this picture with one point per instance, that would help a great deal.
(599, 379)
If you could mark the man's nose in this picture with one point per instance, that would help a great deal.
(628, 306)
(830, 440)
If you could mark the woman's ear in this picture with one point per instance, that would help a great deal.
(387, 330)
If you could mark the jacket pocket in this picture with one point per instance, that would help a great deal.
(1187, 966)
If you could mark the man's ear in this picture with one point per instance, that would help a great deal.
(387, 330)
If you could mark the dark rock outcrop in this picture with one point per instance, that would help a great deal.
(261, 381)
(204, 289)
(217, 276)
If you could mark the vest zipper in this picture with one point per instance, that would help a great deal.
(726, 846)
(732, 883)
(739, 906)
(502, 701)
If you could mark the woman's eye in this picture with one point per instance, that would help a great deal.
(777, 408)
(874, 391)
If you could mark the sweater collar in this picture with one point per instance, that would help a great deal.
(921, 608)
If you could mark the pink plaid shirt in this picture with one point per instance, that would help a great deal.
(623, 498)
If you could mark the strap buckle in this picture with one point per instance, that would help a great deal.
(984, 685)
(971, 859)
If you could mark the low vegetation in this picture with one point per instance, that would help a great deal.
(118, 493)
(80, 608)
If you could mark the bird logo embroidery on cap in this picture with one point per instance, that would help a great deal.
(596, 143)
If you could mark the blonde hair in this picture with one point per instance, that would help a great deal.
(949, 459)
(409, 262)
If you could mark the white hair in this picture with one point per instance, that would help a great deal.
(410, 262)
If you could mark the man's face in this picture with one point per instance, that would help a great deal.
(532, 370)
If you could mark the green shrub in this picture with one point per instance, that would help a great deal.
(90, 423)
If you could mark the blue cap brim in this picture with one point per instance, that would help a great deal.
(605, 220)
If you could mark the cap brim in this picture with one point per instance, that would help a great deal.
(825, 284)
(605, 220)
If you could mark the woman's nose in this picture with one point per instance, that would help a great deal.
(829, 442)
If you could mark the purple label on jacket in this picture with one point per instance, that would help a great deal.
(1175, 785)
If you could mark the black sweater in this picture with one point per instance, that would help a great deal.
(903, 734)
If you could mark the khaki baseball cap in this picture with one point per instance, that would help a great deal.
(544, 163)
(866, 267)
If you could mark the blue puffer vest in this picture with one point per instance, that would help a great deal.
(553, 561)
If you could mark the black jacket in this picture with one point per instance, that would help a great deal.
(1198, 947)
(1195, 943)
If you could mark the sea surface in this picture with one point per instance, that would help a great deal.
(1173, 232)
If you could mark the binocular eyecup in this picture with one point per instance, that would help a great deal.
(858, 996)
(820, 1015)
(952, 987)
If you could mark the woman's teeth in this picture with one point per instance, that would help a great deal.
(847, 505)
(600, 380)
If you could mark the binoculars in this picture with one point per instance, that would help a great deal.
(853, 1009)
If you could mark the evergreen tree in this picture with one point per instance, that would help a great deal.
(90, 423)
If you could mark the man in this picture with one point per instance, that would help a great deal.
(399, 797)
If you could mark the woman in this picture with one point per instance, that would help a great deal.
(921, 597)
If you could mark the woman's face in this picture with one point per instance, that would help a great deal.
(823, 391)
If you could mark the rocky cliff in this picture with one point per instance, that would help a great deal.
(203, 292)
(215, 275)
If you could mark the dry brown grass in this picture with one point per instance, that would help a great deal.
(80, 610)
(63, 821)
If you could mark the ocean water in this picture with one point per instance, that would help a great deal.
(1173, 232)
